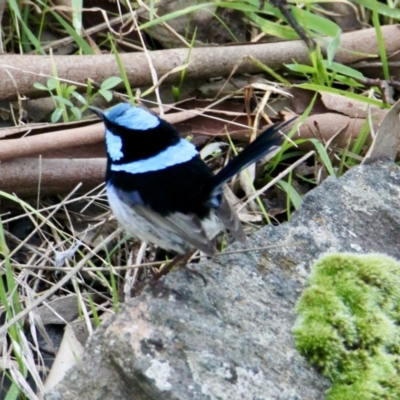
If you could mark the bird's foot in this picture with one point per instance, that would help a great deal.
(195, 273)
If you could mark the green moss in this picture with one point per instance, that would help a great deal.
(348, 325)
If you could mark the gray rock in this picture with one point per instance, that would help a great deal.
(231, 339)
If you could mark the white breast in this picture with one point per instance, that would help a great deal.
(139, 227)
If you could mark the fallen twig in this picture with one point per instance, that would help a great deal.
(27, 176)
(18, 73)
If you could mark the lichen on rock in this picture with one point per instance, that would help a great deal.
(348, 325)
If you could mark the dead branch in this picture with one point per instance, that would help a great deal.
(19, 72)
(48, 142)
(27, 176)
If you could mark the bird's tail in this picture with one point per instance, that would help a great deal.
(265, 143)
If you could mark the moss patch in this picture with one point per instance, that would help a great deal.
(348, 325)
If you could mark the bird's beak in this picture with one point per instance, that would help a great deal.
(98, 112)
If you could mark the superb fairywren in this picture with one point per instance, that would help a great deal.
(158, 187)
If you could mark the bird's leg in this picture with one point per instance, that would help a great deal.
(194, 272)
(182, 261)
(155, 280)
(177, 260)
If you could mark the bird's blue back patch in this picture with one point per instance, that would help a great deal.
(114, 146)
(179, 153)
(132, 117)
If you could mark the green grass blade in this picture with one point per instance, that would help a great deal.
(13, 392)
(270, 71)
(83, 45)
(315, 22)
(361, 138)
(350, 95)
(77, 6)
(292, 195)
(9, 298)
(14, 6)
(272, 28)
(276, 160)
(381, 43)
(174, 14)
(245, 7)
(381, 8)
(122, 70)
(93, 309)
(324, 156)
(343, 69)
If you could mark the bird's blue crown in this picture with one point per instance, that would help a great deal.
(130, 117)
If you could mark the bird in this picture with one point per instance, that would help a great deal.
(161, 191)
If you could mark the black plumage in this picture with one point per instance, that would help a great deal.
(179, 188)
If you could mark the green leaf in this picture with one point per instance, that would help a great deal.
(39, 86)
(76, 112)
(106, 94)
(111, 82)
(62, 100)
(68, 90)
(79, 97)
(51, 83)
(57, 114)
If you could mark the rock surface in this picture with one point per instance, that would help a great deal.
(231, 339)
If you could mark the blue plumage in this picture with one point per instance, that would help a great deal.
(132, 117)
(176, 154)
(161, 191)
(114, 146)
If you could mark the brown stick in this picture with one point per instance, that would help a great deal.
(19, 72)
(46, 142)
(55, 176)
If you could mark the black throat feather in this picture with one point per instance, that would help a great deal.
(139, 145)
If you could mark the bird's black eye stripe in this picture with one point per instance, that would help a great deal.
(138, 144)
